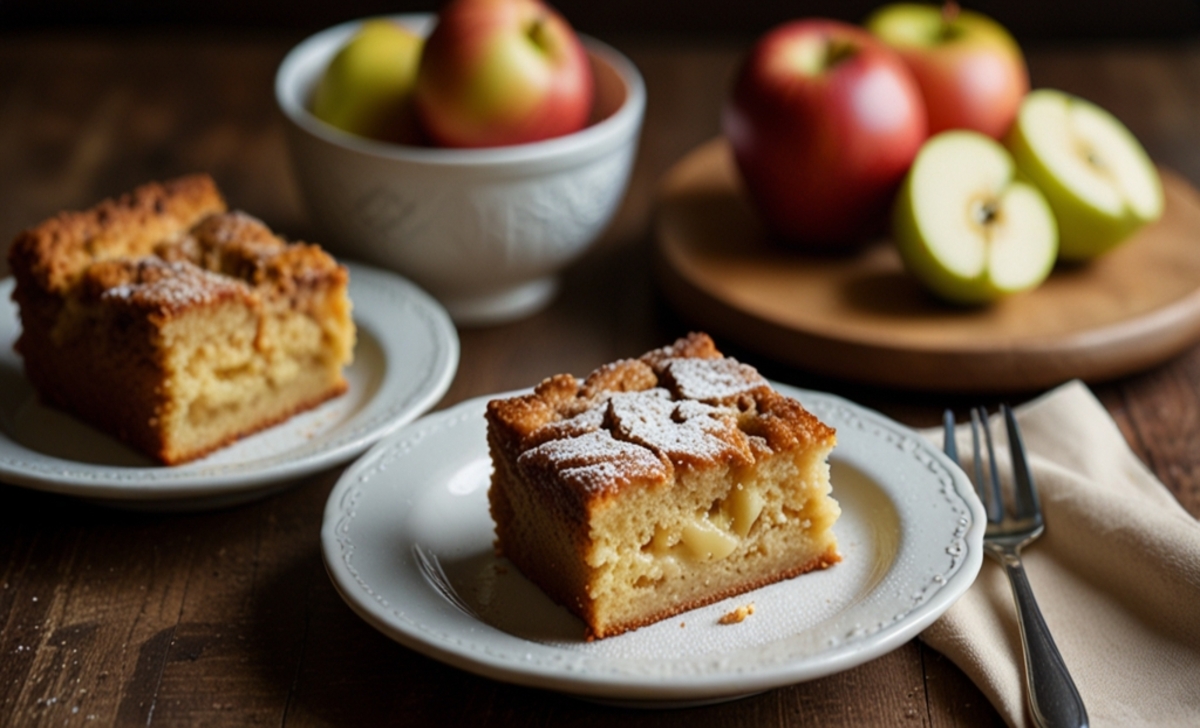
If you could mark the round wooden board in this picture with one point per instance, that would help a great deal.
(862, 318)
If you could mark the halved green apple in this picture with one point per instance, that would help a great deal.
(1097, 178)
(966, 226)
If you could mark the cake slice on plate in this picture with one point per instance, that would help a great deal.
(658, 485)
(175, 325)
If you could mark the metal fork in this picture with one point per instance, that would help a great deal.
(1053, 699)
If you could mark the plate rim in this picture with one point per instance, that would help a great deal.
(383, 293)
(697, 689)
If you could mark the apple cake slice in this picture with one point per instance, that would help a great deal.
(176, 325)
(658, 485)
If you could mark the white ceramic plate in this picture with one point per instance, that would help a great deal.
(407, 540)
(405, 358)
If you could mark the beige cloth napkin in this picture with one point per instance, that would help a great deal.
(1116, 573)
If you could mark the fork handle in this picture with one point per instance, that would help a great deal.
(1053, 698)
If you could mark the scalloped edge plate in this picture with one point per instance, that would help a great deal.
(407, 540)
(405, 358)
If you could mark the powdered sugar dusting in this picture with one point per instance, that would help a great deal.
(688, 420)
(687, 432)
(711, 380)
(172, 285)
(596, 460)
(589, 420)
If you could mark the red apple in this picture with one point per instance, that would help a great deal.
(970, 70)
(499, 72)
(824, 121)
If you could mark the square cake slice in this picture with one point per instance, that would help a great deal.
(658, 485)
(175, 325)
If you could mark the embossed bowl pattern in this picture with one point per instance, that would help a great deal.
(486, 231)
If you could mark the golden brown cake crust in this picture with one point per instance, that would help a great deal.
(154, 286)
(99, 289)
(240, 246)
(55, 253)
(562, 409)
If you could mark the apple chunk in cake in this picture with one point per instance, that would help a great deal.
(659, 485)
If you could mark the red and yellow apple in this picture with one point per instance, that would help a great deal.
(824, 120)
(970, 69)
(500, 72)
(367, 89)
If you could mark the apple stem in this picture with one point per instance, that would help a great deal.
(837, 51)
(949, 29)
(817, 54)
(536, 32)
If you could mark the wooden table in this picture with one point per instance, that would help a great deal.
(227, 617)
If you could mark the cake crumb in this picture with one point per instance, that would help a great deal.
(738, 615)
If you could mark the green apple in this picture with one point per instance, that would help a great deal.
(368, 87)
(1098, 179)
(967, 226)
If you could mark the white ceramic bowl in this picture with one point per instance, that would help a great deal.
(484, 230)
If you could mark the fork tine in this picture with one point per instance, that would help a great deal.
(1026, 498)
(980, 483)
(948, 444)
(988, 487)
(997, 498)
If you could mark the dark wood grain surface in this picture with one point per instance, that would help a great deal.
(227, 617)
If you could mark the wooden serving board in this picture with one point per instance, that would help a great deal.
(862, 318)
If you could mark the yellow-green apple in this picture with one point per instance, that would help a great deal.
(1098, 179)
(971, 71)
(967, 226)
(367, 89)
(824, 120)
(499, 72)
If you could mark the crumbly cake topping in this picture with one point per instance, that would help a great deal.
(683, 406)
(693, 346)
(233, 243)
(687, 432)
(710, 380)
(587, 421)
(596, 460)
(155, 284)
(627, 375)
(55, 253)
(239, 245)
(165, 247)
